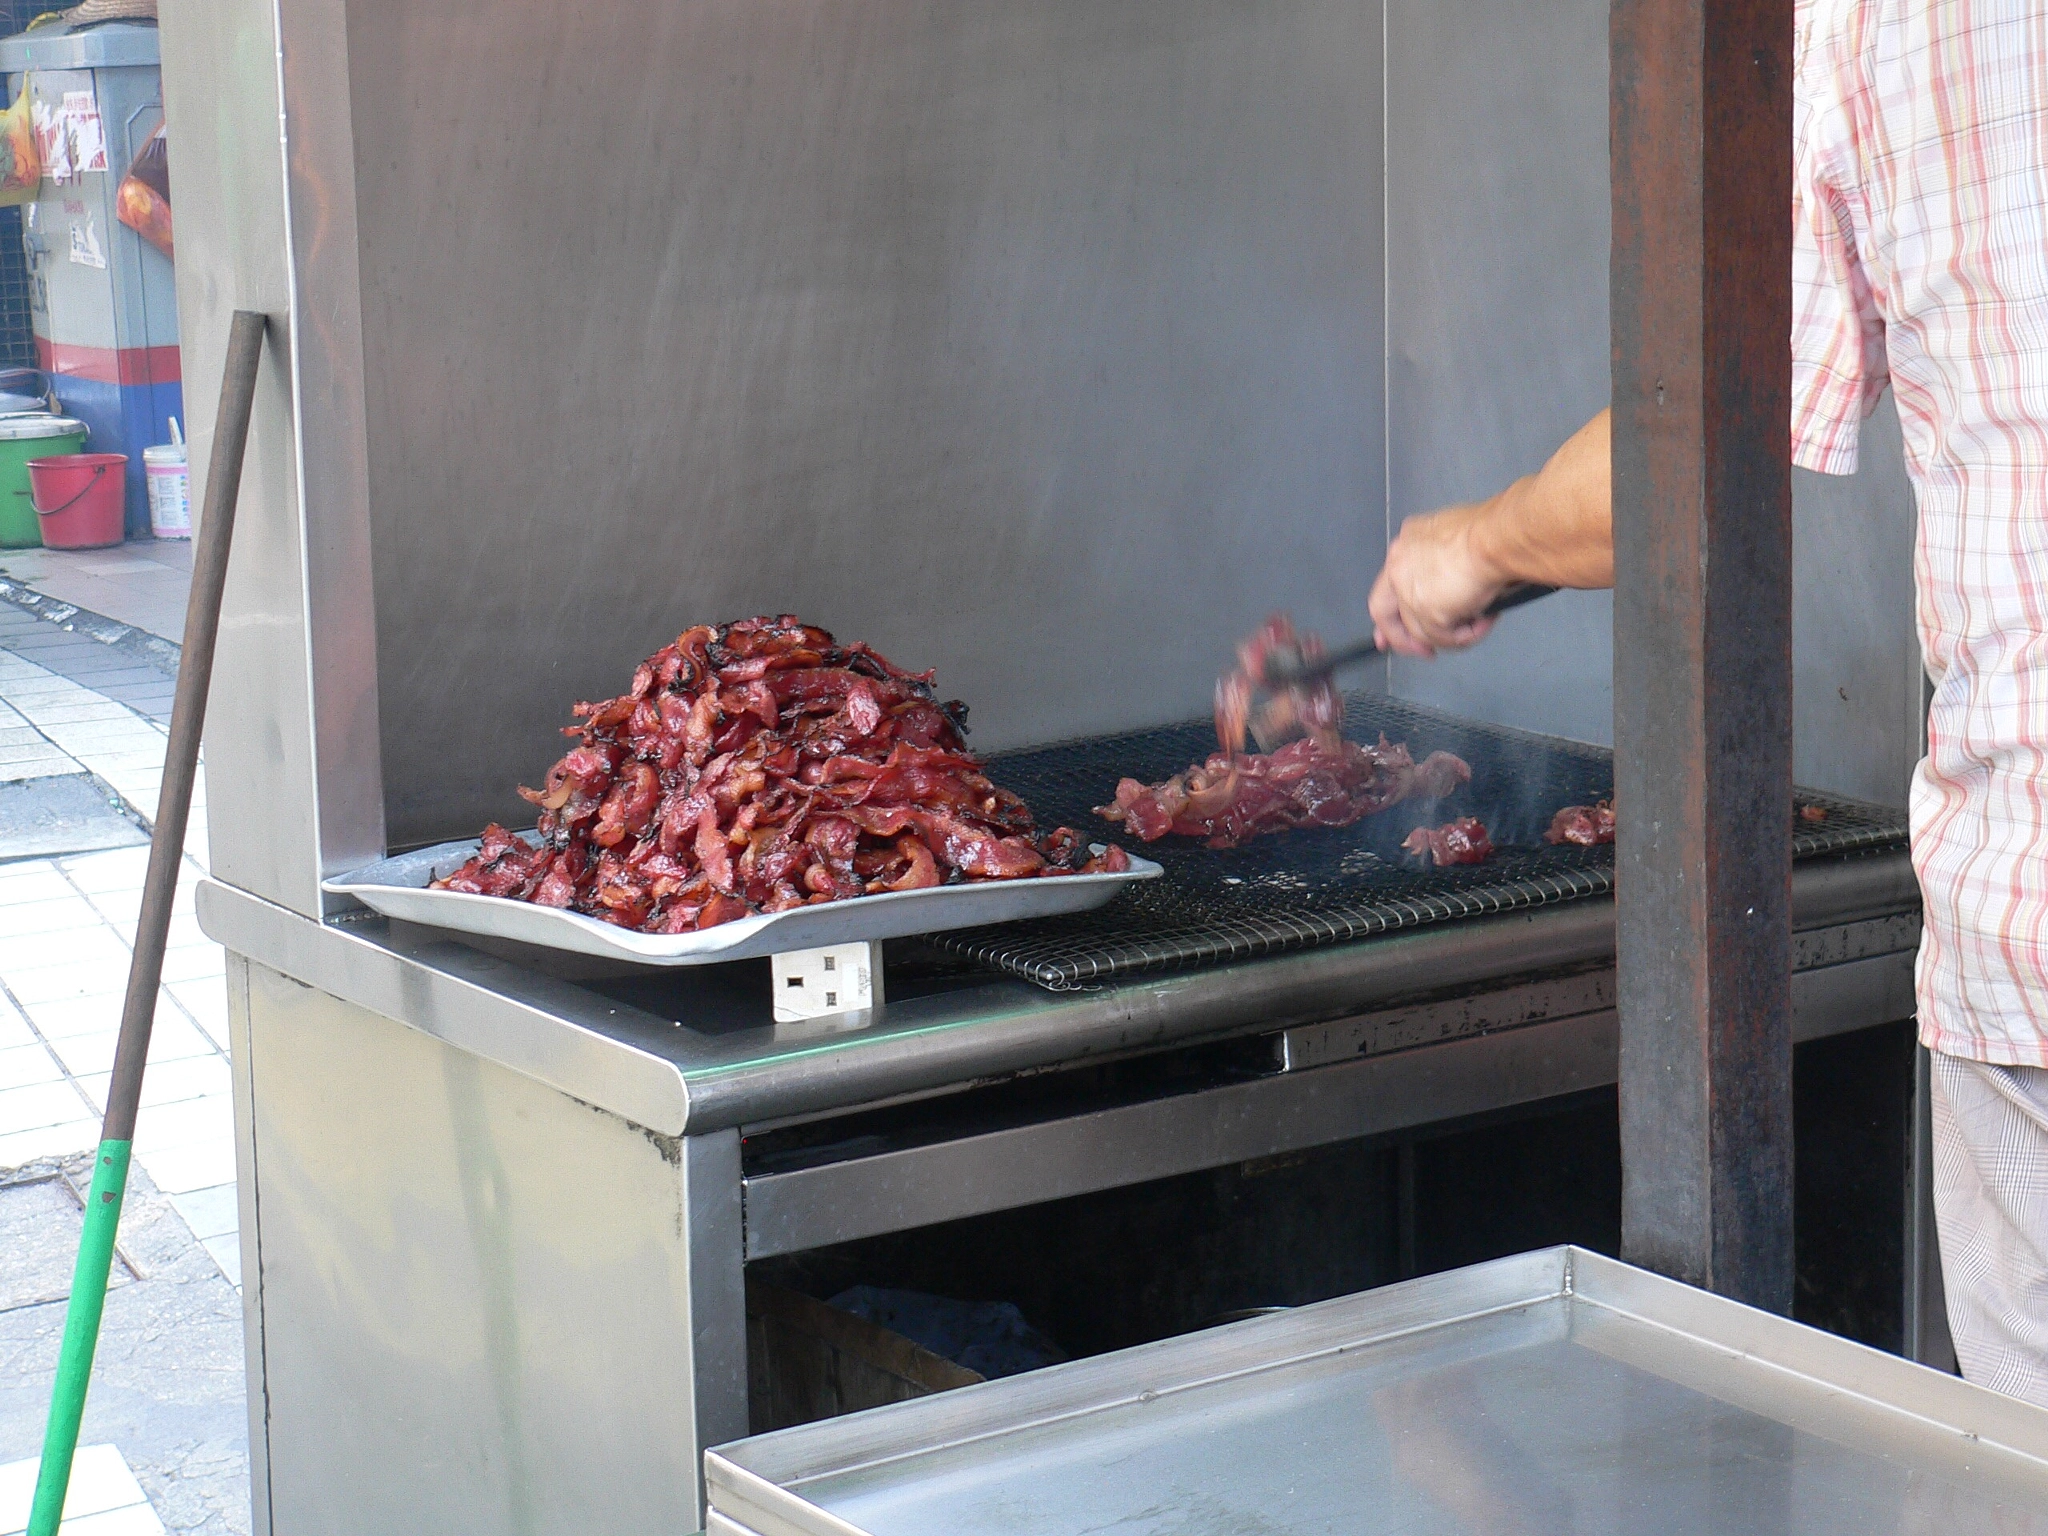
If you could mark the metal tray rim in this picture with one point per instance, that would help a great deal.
(396, 888)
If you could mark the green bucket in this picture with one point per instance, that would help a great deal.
(37, 435)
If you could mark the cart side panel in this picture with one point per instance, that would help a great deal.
(221, 98)
(476, 1292)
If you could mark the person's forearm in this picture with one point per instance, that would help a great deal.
(1555, 527)
(1446, 568)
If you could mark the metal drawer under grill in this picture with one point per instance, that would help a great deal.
(1306, 888)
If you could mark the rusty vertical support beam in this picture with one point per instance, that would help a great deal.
(1701, 104)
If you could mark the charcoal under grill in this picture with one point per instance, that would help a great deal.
(1306, 888)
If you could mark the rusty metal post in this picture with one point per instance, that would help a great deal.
(1701, 123)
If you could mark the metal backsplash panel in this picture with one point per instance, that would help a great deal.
(1497, 311)
(1037, 343)
(1497, 350)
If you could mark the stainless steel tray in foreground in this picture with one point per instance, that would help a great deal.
(1552, 1392)
(397, 887)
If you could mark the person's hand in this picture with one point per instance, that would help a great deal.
(1552, 529)
(1434, 590)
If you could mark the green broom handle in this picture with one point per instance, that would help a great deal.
(153, 926)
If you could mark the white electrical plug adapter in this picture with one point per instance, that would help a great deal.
(839, 978)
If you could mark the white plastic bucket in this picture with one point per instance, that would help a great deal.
(170, 491)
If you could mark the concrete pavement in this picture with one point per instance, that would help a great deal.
(84, 709)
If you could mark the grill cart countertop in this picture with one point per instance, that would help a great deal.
(1554, 1391)
(701, 1055)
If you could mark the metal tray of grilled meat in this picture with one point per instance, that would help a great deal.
(1338, 884)
(398, 887)
(1553, 1392)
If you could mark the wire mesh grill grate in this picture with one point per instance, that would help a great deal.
(1301, 889)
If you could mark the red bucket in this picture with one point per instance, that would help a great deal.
(79, 499)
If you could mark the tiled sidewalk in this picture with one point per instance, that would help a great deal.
(143, 582)
(76, 645)
(84, 709)
(124, 748)
(167, 1398)
(66, 926)
(103, 1500)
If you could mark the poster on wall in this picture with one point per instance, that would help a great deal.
(81, 114)
(85, 245)
(71, 137)
(51, 142)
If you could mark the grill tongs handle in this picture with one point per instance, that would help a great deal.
(1284, 669)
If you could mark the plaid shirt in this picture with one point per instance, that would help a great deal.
(1920, 257)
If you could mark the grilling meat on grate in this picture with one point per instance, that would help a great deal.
(1232, 800)
(1583, 826)
(1588, 826)
(1462, 841)
(760, 766)
(1314, 708)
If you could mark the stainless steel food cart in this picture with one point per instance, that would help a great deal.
(500, 1221)
(1034, 343)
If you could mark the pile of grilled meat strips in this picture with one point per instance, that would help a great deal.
(762, 766)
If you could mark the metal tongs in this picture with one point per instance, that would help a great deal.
(1289, 667)
(1282, 688)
